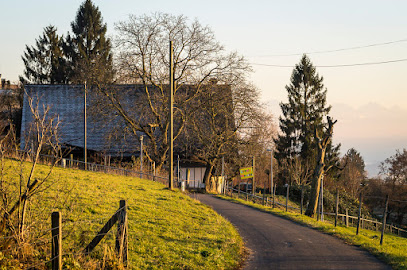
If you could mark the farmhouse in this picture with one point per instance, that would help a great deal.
(107, 133)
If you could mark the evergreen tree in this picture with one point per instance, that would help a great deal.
(89, 48)
(46, 62)
(302, 115)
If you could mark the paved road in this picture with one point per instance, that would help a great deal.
(277, 243)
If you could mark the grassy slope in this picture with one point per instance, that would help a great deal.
(167, 230)
(393, 251)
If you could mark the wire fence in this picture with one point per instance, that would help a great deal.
(38, 253)
(344, 219)
(150, 174)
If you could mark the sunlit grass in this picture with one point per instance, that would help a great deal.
(167, 229)
(393, 251)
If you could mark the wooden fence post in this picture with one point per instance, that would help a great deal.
(336, 207)
(247, 190)
(286, 198)
(359, 213)
(384, 219)
(238, 191)
(302, 198)
(274, 194)
(71, 162)
(264, 194)
(153, 170)
(122, 236)
(347, 218)
(56, 246)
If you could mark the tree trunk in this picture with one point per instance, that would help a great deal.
(320, 167)
(207, 176)
(315, 188)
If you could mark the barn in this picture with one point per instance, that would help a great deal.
(106, 132)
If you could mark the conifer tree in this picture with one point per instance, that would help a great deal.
(45, 62)
(89, 48)
(302, 115)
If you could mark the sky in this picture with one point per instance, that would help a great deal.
(369, 101)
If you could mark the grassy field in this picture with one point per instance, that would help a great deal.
(167, 229)
(393, 251)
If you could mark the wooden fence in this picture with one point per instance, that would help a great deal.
(346, 219)
(121, 244)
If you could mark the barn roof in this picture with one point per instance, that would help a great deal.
(67, 103)
(106, 131)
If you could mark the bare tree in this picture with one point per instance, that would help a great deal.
(320, 168)
(353, 174)
(142, 57)
(256, 136)
(299, 171)
(394, 168)
(43, 135)
(218, 116)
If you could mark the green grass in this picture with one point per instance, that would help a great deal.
(167, 229)
(393, 251)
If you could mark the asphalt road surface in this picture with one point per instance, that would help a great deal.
(277, 243)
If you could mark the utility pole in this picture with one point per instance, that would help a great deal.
(141, 156)
(85, 149)
(171, 118)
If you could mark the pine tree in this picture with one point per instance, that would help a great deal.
(302, 115)
(46, 62)
(89, 48)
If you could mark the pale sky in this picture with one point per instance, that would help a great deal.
(370, 102)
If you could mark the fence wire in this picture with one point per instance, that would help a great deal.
(375, 225)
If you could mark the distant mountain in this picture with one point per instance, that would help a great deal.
(372, 129)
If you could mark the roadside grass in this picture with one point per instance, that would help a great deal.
(167, 229)
(393, 251)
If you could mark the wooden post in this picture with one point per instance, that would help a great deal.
(188, 176)
(253, 181)
(274, 194)
(336, 207)
(318, 207)
(56, 242)
(238, 190)
(141, 156)
(347, 218)
(122, 236)
(384, 219)
(247, 190)
(286, 198)
(302, 199)
(71, 156)
(264, 194)
(85, 138)
(359, 213)
(153, 170)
